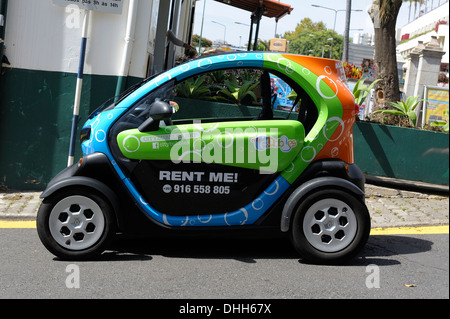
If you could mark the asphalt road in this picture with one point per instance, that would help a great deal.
(391, 266)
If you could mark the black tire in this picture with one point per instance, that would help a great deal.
(75, 223)
(330, 226)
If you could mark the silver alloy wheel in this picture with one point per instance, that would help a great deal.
(76, 223)
(330, 225)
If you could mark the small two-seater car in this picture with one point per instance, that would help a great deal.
(201, 147)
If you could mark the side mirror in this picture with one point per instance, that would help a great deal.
(159, 111)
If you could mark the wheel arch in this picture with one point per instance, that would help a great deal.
(93, 184)
(312, 185)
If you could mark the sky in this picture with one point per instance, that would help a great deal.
(238, 34)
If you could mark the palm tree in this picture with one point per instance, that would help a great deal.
(384, 16)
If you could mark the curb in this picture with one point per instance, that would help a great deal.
(401, 184)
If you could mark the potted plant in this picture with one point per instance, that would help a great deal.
(404, 108)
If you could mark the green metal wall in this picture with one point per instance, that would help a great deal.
(403, 153)
(36, 109)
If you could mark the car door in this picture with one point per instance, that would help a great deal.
(218, 153)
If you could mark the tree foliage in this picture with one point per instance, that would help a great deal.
(305, 25)
(205, 42)
(313, 38)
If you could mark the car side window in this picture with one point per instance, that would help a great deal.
(231, 93)
(234, 86)
(228, 95)
(283, 95)
(141, 111)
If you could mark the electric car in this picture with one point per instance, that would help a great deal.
(201, 147)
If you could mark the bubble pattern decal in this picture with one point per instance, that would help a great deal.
(247, 215)
(320, 78)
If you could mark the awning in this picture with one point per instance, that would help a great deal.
(259, 9)
(273, 8)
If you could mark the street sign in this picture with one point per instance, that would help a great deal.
(278, 45)
(107, 6)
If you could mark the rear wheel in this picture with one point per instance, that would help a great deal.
(75, 223)
(330, 226)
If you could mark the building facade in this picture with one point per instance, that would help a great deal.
(431, 24)
(42, 45)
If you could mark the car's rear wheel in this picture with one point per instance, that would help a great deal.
(330, 226)
(75, 223)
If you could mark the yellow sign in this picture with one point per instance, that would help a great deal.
(436, 104)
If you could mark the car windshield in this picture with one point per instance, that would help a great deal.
(115, 100)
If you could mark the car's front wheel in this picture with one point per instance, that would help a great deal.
(75, 223)
(330, 226)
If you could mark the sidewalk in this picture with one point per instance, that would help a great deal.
(388, 207)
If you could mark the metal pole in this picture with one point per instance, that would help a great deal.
(258, 22)
(334, 30)
(251, 34)
(424, 104)
(78, 90)
(129, 42)
(201, 30)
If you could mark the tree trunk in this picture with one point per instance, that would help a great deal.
(384, 16)
(347, 30)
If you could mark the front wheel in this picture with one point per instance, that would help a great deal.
(75, 223)
(330, 226)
